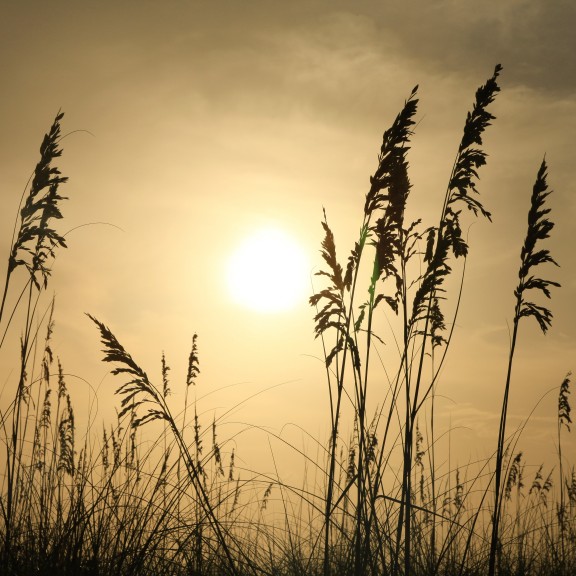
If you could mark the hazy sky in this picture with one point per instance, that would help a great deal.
(206, 120)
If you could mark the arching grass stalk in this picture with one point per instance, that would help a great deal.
(35, 242)
(338, 300)
(539, 228)
(33, 248)
(442, 241)
(394, 245)
(139, 392)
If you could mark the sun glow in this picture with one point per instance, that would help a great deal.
(268, 272)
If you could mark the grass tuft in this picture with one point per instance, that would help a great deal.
(162, 491)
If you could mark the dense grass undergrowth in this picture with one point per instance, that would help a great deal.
(378, 502)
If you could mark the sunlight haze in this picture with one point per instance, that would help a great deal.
(197, 126)
(190, 126)
(268, 272)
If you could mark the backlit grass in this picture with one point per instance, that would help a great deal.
(373, 500)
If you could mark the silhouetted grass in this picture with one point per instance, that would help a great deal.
(372, 501)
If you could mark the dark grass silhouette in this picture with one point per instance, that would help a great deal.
(376, 504)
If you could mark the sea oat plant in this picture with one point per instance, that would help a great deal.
(119, 502)
(33, 247)
(564, 420)
(395, 245)
(539, 227)
(139, 393)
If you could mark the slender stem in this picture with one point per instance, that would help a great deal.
(340, 385)
(500, 450)
(6, 284)
(362, 393)
(562, 511)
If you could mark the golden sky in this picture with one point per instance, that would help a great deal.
(205, 121)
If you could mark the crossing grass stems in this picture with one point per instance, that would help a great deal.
(376, 504)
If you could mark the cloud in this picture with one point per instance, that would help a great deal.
(533, 39)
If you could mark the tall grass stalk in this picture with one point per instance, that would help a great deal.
(139, 392)
(150, 495)
(539, 227)
(442, 241)
(33, 246)
(563, 420)
(394, 244)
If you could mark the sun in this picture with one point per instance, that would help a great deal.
(268, 272)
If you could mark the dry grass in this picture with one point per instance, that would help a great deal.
(376, 502)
